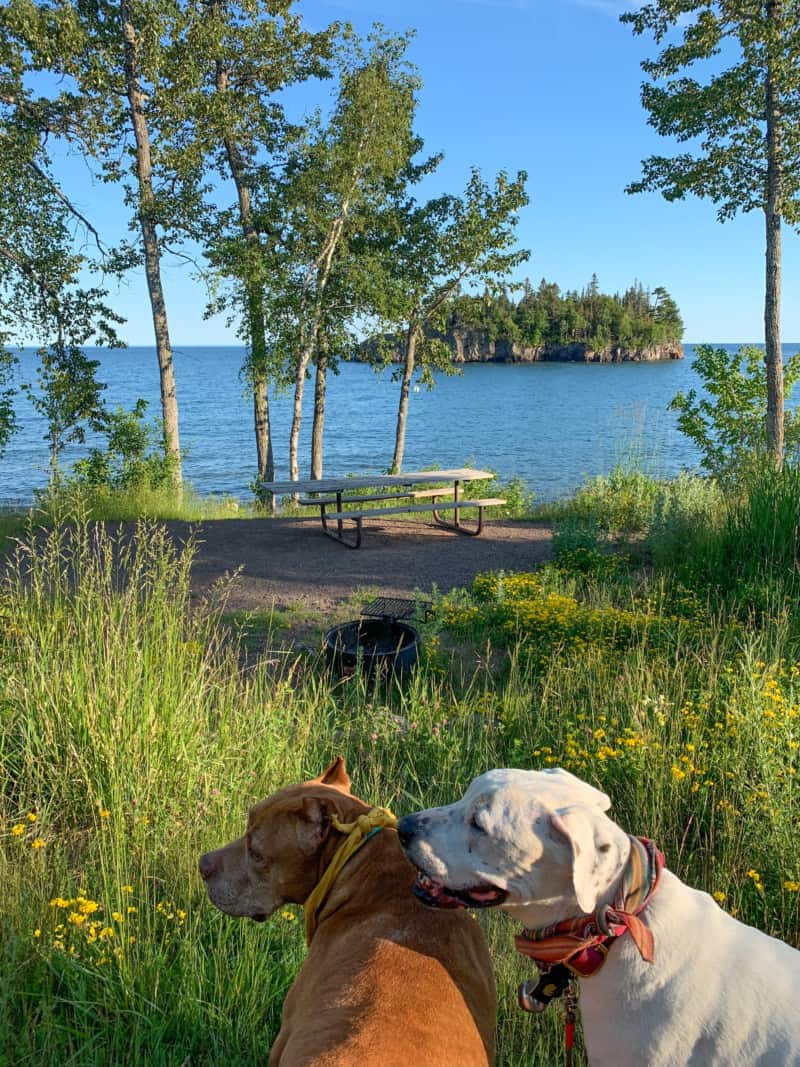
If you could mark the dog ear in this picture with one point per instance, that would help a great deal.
(573, 824)
(336, 775)
(583, 792)
(315, 817)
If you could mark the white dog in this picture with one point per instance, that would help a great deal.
(537, 843)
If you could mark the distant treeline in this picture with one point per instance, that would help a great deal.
(546, 316)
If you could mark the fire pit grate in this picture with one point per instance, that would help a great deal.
(395, 607)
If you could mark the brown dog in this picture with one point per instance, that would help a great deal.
(387, 982)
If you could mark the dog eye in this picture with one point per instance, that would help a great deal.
(253, 853)
(475, 825)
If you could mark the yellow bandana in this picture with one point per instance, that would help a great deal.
(357, 833)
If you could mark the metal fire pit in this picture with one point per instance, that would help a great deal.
(378, 643)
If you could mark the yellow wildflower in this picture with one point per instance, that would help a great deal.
(37, 843)
(18, 829)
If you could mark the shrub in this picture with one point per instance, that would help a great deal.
(727, 421)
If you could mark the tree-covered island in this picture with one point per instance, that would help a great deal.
(544, 324)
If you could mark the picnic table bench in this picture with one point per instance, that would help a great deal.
(338, 494)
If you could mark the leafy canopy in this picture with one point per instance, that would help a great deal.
(720, 113)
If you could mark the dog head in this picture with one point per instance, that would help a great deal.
(281, 856)
(536, 841)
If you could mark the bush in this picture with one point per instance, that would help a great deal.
(133, 459)
(727, 422)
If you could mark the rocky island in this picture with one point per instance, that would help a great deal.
(546, 326)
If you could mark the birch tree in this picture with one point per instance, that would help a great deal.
(341, 167)
(743, 126)
(428, 253)
(227, 71)
(108, 55)
(42, 293)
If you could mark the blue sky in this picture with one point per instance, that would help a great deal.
(550, 87)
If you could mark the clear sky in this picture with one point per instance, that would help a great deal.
(550, 87)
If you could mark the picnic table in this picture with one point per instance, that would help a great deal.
(341, 493)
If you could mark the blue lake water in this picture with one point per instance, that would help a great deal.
(552, 424)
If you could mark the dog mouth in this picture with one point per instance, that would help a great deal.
(437, 895)
(259, 917)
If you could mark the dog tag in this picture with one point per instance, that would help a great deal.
(535, 996)
(527, 1000)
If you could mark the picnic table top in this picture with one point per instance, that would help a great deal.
(340, 485)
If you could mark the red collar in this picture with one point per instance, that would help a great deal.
(582, 944)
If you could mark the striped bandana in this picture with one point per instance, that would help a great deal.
(582, 944)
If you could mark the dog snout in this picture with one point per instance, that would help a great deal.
(408, 827)
(208, 864)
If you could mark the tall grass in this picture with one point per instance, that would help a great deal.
(132, 738)
(127, 504)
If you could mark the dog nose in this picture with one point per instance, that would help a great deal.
(207, 865)
(405, 830)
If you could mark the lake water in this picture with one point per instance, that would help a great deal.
(552, 424)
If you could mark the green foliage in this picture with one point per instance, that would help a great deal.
(749, 556)
(723, 113)
(576, 533)
(727, 421)
(686, 506)
(8, 420)
(546, 317)
(742, 124)
(69, 397)
(419, 256)
(148, 699)
(537, 611)
(132, 459)
(517, 494)
(622, 501)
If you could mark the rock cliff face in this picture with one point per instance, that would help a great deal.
(470, 345)
(475, 346)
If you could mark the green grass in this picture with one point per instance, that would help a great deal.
(132, 731)
(127, 505)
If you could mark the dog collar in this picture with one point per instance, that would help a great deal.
(582, 944)
(358, 833)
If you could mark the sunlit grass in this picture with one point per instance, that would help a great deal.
(132, 738)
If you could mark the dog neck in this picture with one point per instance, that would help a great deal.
(349, 809)
(365, 875)
(612, 852)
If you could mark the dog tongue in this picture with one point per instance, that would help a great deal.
(484, 895)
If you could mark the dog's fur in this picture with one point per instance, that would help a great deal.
(538, 844)
(385, 982)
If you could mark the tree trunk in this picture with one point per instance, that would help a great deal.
(297, 410)
(319, 269)
(402, 410)
(319, 411)
(773, 356)
(152, 251)
(255, 306)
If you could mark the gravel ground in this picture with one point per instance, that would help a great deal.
(284, 563)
